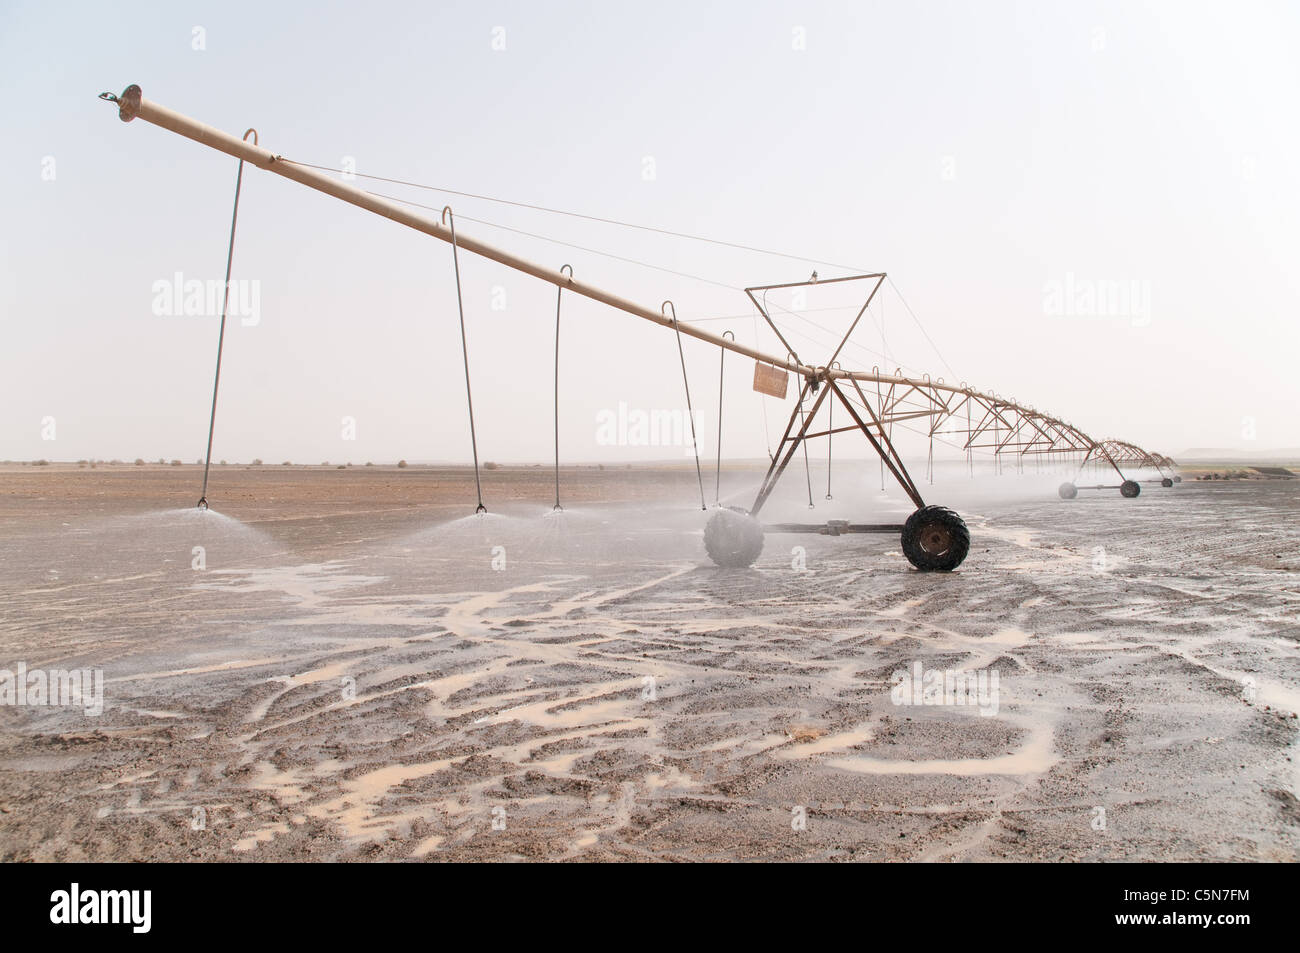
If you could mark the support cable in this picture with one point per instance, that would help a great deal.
(616, 222)
(557, 211)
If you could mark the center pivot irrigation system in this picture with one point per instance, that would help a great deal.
(933, 537)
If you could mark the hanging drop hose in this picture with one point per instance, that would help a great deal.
(690, 413)
(830, 435)
(970, 458)
(807, 470)
(449, 219)
(717, 477)
(767, 437)
(221, 334)
(830, 427)
(559, 294)
(875, 369)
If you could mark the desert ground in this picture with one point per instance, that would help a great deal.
(347, 664)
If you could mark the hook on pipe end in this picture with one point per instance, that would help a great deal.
(202, 505)
(570, 267)
(253, 133)
(480, 510)
(665, 307)
(730, 336)
(446, 211)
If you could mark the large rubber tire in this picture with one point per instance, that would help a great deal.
(733, 538)
(1129, 489)
(1178, 479)
(1067, 491)
(1166, 482)
(935, 539)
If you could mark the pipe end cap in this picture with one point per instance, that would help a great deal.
(128, 104)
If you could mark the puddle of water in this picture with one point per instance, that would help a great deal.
(903, 608)
(201, 670)
(836, 742)
(263, 836)
(1035, 756)
(428, 846)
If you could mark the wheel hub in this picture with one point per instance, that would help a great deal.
(936, 539)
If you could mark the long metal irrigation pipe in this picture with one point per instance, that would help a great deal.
(132, 105)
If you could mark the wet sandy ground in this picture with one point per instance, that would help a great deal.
(355, 675)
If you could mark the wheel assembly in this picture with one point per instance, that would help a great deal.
(935, 539)
(1166, 482)
(1129, 489)
(1067, 491)
(1178, 479)
(733, 538)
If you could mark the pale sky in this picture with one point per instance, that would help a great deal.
(997, 159)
